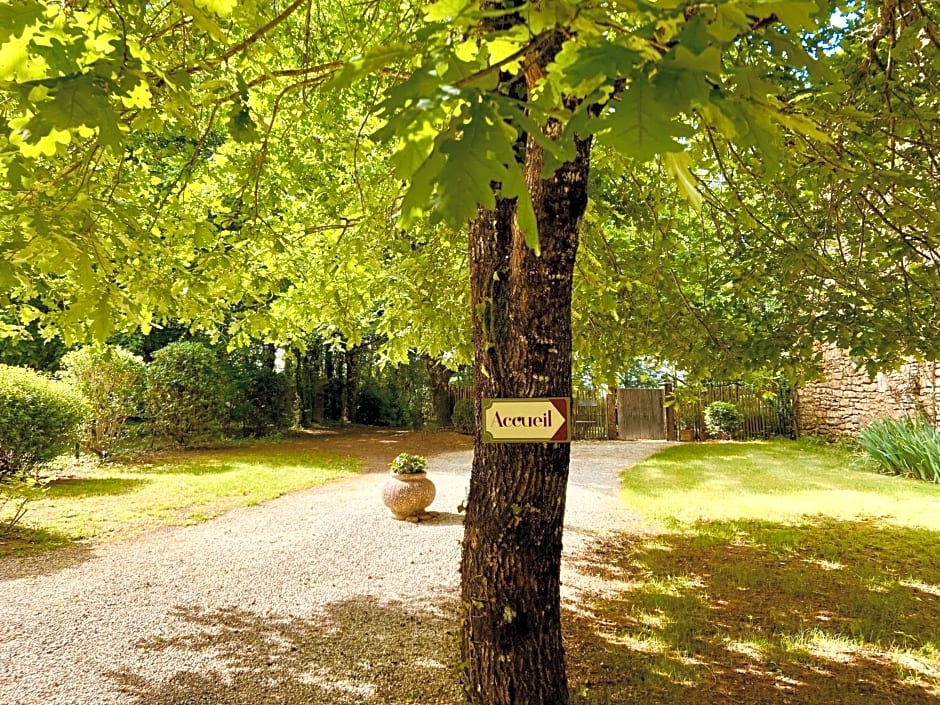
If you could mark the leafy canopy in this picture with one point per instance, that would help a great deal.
(270, 169)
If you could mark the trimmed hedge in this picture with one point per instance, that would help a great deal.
(185, 395)
(39, 420)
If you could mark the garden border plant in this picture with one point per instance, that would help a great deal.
(907, 446)
(185, 394)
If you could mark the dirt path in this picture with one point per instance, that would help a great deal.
(317, 597)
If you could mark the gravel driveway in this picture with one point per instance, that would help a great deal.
(316, 597)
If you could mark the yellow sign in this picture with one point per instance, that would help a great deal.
(526, 420)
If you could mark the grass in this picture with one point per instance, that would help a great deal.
(780, 481)
(772, 572)
(113, 501)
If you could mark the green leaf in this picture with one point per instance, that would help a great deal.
(708, 60)
(795, 14)
(222, 8)
(579, 70)
(201, 19)
(74, 102)
(477, 153)
(515, 186)
(730, 21)
(680, 89)
(17, 15)
(447, 10)
(638, 125)
(360, 66)
(241, 126)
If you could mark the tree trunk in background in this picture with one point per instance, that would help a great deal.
(510, 588)
(309, 382)
(351, 387)
(439, 378)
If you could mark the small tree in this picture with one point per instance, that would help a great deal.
(111, 380)
(39, 420)
(185, 391)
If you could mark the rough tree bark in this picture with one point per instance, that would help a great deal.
(511, 642)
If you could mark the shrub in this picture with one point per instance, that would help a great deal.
(185, 391)
(260, 399)
(39, 420)
(407, 464)
(395, 396)
(376, 405)
(111, 381)
(722, 419)
(462, 418)
(908, 446)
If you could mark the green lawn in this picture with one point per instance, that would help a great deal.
(114, 501)
(775, 481)
(771, 572)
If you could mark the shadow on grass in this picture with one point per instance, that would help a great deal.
(214, 463)
(77, 487)
(359, 651)
(189, 466)
(751, 612)
(24, 552)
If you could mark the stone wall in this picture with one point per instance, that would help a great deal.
(847, 399)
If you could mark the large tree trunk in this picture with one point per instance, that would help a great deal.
(512, 646)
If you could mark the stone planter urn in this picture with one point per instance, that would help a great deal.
(408, 494)
(408, 491)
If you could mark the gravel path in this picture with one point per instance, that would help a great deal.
(317, 597)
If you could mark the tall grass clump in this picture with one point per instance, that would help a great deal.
(908, 446)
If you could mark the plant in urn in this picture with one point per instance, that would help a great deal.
(408, 491)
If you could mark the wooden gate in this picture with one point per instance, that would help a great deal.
(641, 414)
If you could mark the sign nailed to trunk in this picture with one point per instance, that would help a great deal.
(526, 420)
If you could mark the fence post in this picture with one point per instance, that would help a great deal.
(612, 434)
(670, 400)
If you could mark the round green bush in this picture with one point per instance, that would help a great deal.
(722, 419)
(185, 394)
(39, 420)
(111, 380)
(462, 418)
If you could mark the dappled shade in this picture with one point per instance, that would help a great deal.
(359, 652)
(750, 612)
